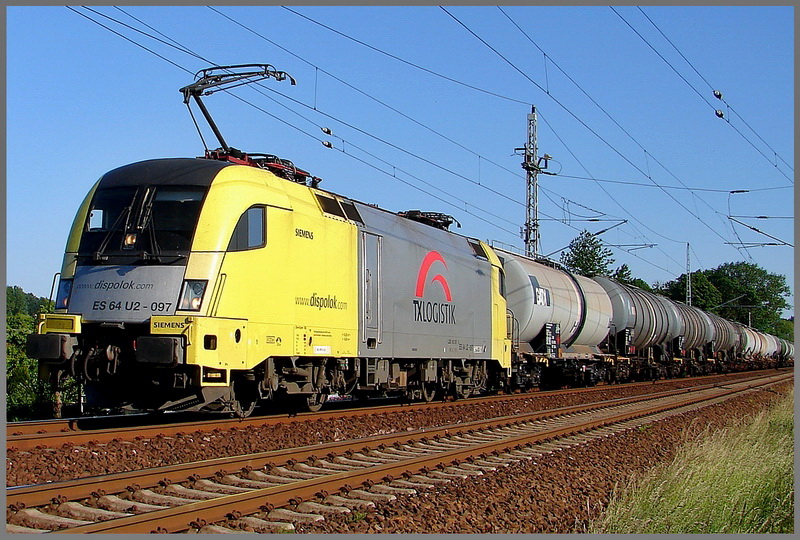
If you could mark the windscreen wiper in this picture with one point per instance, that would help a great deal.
(99, 254)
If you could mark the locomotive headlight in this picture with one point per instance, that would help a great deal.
(64, 290)
(130, 241)
(192, 295)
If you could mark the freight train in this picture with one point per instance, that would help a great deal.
(222, 282)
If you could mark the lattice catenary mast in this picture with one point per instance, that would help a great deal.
(532, 166)
(688, 277)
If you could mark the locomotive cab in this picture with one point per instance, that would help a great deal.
(164, 259)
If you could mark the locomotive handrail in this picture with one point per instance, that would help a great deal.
(53, 288)
(513, 332)
(217, 294)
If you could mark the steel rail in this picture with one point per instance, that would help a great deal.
(29, 435)
(180, 518)
(41, 494)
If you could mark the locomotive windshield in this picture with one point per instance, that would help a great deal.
(154, 224)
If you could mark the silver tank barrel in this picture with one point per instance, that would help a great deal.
(652, 318)
(694, 334)
(675, 324)
(750, 341)
(538, 294)
(725, 334)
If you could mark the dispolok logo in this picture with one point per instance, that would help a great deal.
(433, 312)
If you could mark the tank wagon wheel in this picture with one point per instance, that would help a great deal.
(429, 391)
(315, 401)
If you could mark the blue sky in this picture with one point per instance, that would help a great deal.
(82, 100)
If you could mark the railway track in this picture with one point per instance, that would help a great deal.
(56, 432)
(273, 490)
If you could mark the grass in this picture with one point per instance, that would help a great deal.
(356, 516)
(736, 480)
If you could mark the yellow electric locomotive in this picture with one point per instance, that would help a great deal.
(203, 284)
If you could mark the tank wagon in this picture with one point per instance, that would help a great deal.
(218, 283)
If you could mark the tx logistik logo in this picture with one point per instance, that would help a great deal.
(433, 312)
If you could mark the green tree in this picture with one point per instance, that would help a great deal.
(704, 294)
(26, 396)
(785, 329)
(18, 301)
(642, 284)
(751, 290)
(587, 256)
(22, 385)
(623, 275)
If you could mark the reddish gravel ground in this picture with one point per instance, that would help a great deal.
(558, 493)
(68, 462)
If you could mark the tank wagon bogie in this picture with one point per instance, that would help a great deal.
(223, 282)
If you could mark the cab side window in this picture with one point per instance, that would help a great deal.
(250, 231)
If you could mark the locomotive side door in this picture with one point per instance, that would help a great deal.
(371, 309)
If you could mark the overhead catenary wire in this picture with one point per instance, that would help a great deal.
(406, 62)
(602, 109)
(685, 188)
(392, 174)
(258, 34)
(763, 217)
(436, 74)
(128, 39)
(721, 96)
(692, 191)
(316, 138)
(433, 73)
(412, 64)
(571, 113)
(351, 126)
(711, 105)
(194, 54)
(641, 235)
(182, 48)
(783, 242)
(186, 50)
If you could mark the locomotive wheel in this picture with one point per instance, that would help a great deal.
(314, 401)
(245, 399)
(429, 391)
(456, 390)
(243, 409)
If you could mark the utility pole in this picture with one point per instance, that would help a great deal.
(688, 277)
